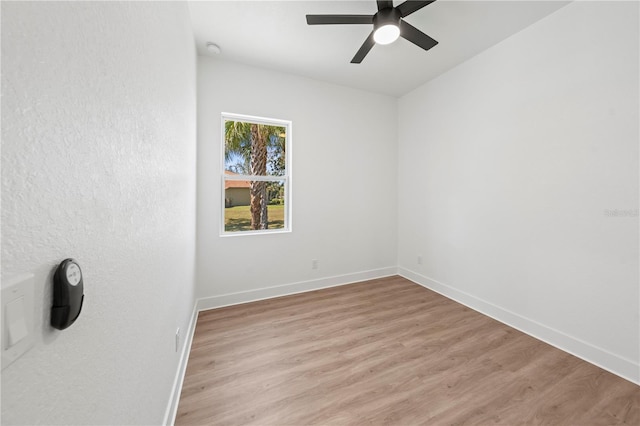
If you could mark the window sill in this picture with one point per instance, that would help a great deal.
(258, 232)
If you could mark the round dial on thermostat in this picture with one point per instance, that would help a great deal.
(73, 274)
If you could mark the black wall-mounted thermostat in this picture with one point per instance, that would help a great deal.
(68, 294)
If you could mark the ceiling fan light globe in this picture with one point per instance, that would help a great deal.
(386, 34)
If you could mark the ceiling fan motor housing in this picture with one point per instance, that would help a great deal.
(388, 16)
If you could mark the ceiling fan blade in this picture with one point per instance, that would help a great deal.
(384, 4)
(364, 49)
(408, 7)
(339, 19)
(415, 36)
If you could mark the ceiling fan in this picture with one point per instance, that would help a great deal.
(387, 25)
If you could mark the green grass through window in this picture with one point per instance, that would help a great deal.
(239, 218)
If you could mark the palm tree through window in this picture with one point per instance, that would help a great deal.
(256, 174)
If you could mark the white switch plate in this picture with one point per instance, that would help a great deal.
(20, 286)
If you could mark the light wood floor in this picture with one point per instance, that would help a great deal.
(387, 351)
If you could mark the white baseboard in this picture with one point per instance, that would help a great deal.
(293, 288)
(625, 368)
(172, 407)
(252, 296)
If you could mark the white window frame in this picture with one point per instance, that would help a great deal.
(286, 177)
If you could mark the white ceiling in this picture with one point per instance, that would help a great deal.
(275, 35)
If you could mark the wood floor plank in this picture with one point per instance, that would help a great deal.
(386, 351)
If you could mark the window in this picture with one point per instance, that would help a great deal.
(256, 177)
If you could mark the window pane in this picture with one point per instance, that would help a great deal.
(244, 209)
(254, 148)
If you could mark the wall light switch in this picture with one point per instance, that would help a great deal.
(17, 318)
(15, 321)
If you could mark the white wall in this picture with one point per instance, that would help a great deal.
(507, 165)
(344, 182)
(98, 158)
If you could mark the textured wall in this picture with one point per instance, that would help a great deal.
(98, 163)
(344, 180)
(508, 165)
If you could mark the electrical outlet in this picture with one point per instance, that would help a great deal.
(177, 339)
(419, 259)
(314, 263)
